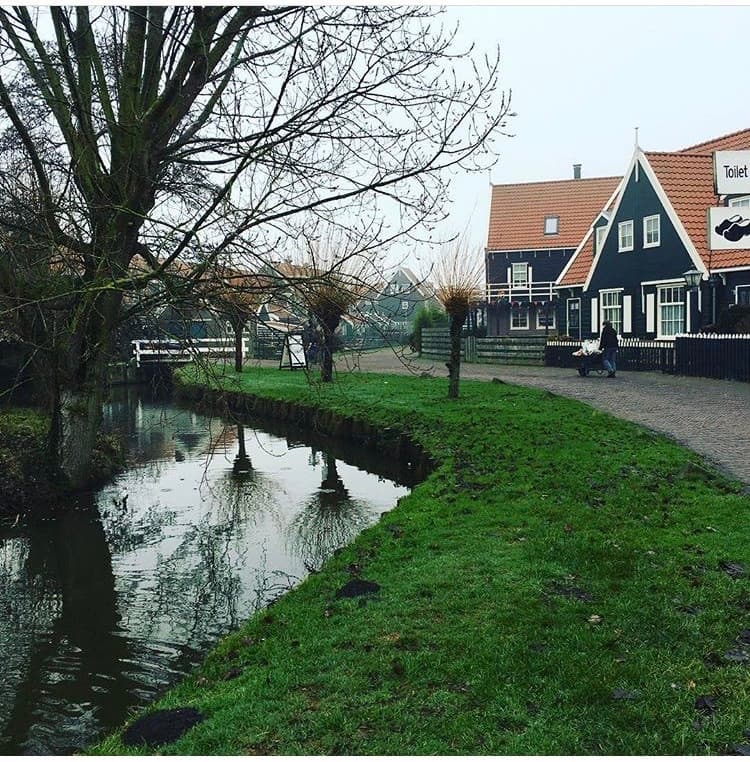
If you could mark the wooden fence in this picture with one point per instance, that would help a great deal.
(501, 350)
(632, 354)
(706, 355)
(725, 356)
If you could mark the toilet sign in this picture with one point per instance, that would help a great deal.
(729, 226)
(732, 172)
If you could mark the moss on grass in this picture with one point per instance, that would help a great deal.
(558, 585)
(27, 478)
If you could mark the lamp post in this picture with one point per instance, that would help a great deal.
(713, 283)
(692, 281)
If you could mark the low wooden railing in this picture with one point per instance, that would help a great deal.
(633, 354)
(541, 291)
(173, 351)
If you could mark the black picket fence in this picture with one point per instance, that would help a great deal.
(633, 354)
(713, 356)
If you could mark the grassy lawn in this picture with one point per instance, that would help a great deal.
(562, 583)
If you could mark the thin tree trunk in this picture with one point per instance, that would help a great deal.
(454, 364)
(326, 358)
(238, 354)
(329, 326)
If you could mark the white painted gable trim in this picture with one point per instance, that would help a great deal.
(565, 269)
(609, 217)
(619, 191)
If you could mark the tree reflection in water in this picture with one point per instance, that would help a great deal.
(329, 519)
(102, 607)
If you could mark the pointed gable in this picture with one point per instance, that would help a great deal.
(685, 178)
(518, 212)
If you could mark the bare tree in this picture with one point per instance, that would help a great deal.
(458, 277)
(179, 133)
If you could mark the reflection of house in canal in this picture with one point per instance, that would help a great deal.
(158, 430)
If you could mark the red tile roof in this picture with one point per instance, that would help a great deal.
(735, 141)
(517, 212)
(579, 268)
(687, 180)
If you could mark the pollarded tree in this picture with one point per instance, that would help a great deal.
(333, 269)
(237, 295)
(177, 133)
(458, 278)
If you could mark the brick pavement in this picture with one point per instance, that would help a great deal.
(709, 416)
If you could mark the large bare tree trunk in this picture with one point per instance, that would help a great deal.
(81, 384)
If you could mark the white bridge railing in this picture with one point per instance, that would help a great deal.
(183, 350)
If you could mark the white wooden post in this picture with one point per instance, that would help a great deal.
(627, 313)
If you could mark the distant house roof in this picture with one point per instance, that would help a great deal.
(518, 212)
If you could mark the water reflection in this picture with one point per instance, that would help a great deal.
(109, 601)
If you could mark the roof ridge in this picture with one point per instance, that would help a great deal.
(549, 182)
(680, 154)
(689, 149)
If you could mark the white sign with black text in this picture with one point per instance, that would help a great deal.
(732, 172)
(728, 228)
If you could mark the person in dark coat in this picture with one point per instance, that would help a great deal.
(608, 344)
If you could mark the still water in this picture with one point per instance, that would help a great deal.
(110, 600)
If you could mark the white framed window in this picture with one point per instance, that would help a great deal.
(670, 313)
(742, 294)
(651, 231)
(601, 232)
(519, 274)
(743, 201)
(625, 236)
(548, 317)
(519, 319)
(610, 305)
(551, 224)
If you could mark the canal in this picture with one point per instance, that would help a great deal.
(110, 599)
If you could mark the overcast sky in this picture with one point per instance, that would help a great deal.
(582, 78)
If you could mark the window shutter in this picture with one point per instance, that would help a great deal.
(509, 281)
(627, 313)
(650, 313)
(528, 275)
(594, 315)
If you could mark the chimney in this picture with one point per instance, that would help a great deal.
(576, 171)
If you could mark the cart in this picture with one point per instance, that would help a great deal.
(589, 358)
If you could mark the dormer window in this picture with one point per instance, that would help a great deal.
(742, 201)
(551, 223)
(601, 232)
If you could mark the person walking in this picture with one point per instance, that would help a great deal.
(608, 343)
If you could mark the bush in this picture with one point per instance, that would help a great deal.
(425, 317)
(734, 319)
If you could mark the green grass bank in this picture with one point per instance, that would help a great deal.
(27, 478)
(561, 583)
(22, 456)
